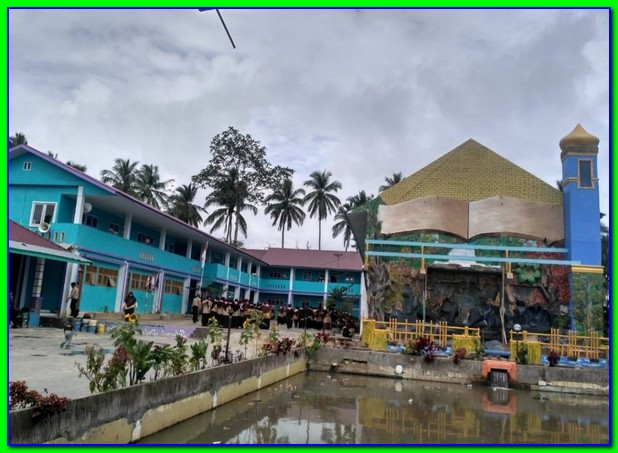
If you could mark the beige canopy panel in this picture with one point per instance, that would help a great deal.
(516, 217)
(426, 213)
(497, 215)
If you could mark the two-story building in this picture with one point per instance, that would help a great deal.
(135, 247)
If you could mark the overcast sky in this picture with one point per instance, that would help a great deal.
(360, 93)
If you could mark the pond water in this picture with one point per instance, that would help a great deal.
(323, 408)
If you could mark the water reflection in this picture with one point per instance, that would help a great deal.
(319, 408)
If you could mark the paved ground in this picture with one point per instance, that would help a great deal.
(35, 355)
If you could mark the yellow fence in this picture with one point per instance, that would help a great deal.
(376, 334)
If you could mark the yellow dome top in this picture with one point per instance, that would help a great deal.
(578, 138)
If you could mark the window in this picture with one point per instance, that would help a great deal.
(27, 166)
(42, 212)
(243, 267)
(90, 221)
(172, 287)
(100, 276)
(333, 278)
(114, 228)
(276, 273)
(585, 173)
(169, 247)
(307, 276)
(321, 277)
(349, 278)
(275, 300)
(144, 239)
(233, 263)
(139, 281)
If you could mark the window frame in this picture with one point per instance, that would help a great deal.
(579, 174)
(45, 204)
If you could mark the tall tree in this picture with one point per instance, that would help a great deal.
(342, 225)
(149, 187)
(321, 200)
(18, 139)
(285, 206)
(231, 150)
(122, 176)
(391, 181)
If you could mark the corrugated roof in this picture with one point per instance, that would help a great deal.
(472, 172)
(309, 259)
(25, 242)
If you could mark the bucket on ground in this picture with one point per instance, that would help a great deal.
(92, 326)
(100, 328)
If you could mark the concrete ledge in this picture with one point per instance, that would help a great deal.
(372, 363)
(130, 413)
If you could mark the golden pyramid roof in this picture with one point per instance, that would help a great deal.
(472, 172)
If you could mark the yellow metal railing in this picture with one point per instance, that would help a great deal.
(376, 334)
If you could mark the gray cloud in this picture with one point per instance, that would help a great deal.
(362, 93)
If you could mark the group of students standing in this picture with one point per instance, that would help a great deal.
(236, 312)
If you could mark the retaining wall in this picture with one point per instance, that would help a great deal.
(534, 377)
(128, 414)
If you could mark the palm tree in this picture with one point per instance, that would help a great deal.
(150, 189)
(77, 166)
(321, 201)
(182, 206)
(230, 195)
(285, 207)
(359, 199)
(343, 226)
(391, 181)
(122, 176)
(18, 139)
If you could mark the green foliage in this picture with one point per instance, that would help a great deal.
(95, 357)
(522, 354)
(310, 342)
(233, 150)
(527, 273)
(588, 299)
(198, 355)
(178, 357)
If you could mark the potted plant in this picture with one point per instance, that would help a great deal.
(553, 358)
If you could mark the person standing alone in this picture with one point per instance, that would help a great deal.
(195, 307)
(74, 298)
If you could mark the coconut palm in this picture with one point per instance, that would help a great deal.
(359, 199)
(342, 225)
(122, 176)
(77, 166)
(391, 181)
(182, 205)
(149, 187)
(321, 201)
(230, 195)
(284, 207)
(17, 139)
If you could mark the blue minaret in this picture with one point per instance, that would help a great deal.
(580, 187)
